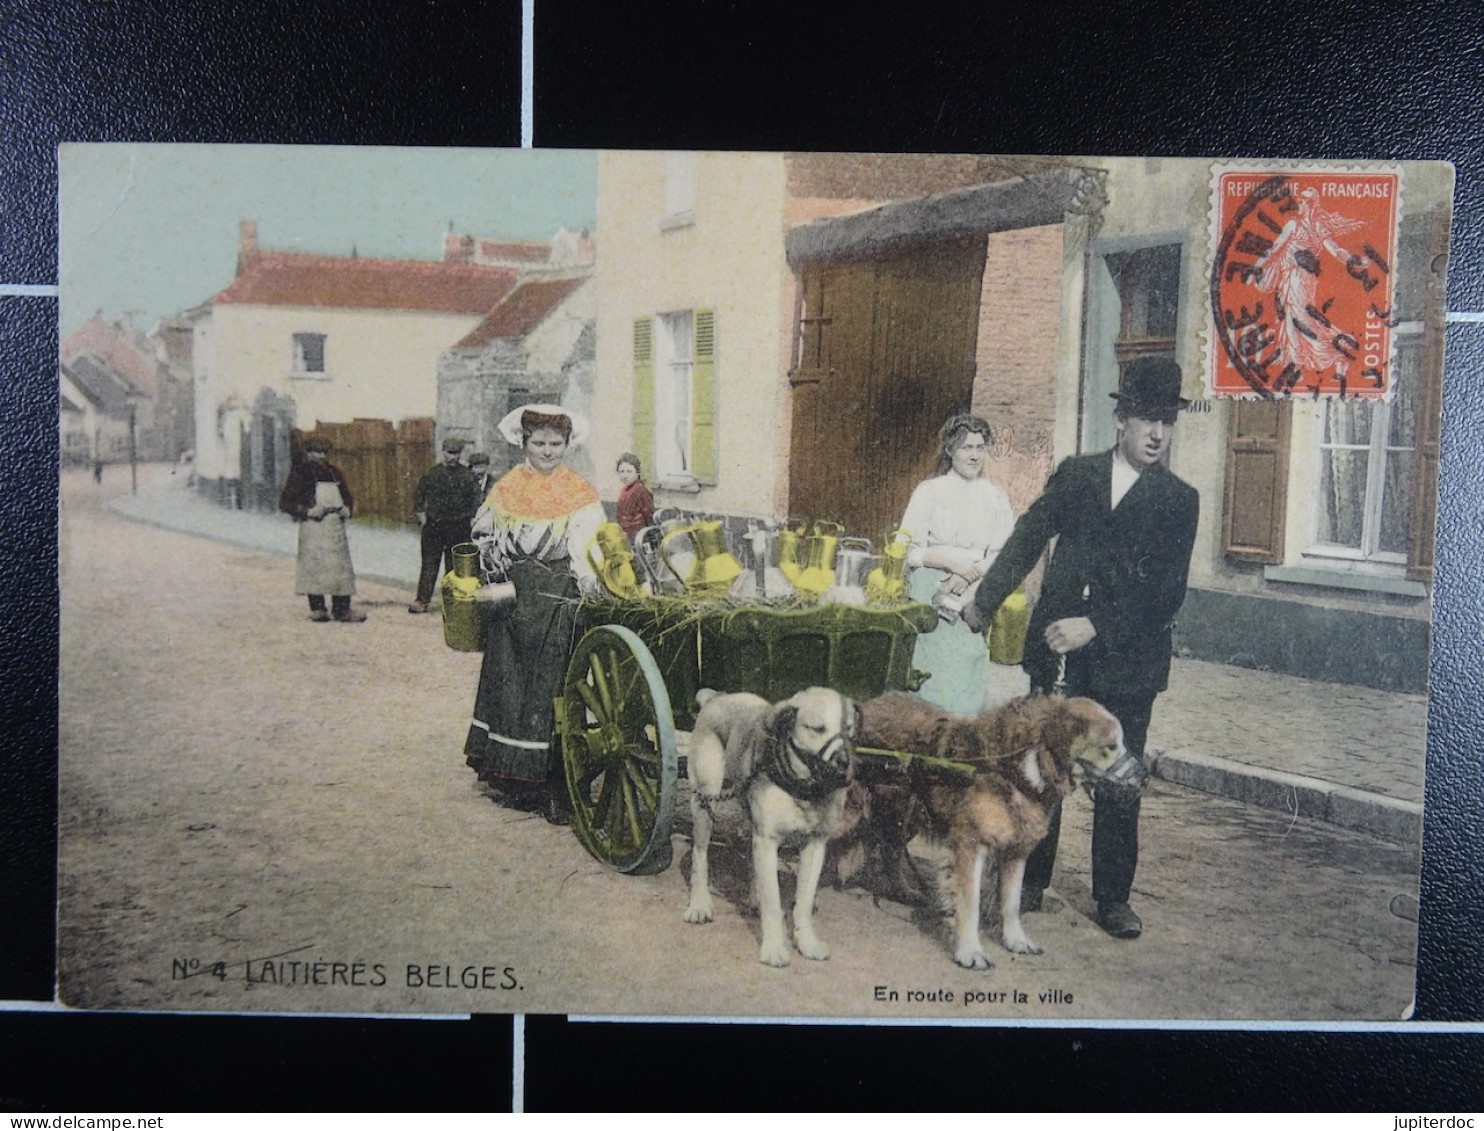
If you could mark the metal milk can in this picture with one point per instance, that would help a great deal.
(713, 569)
(1007, 629)
(615, 567)
(463, 615)
(887, 583)
(816, 577)
(853, 560)
(760, 579)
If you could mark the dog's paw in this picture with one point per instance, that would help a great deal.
(775, 952)
(699, 911)
(1018, 942)
(972, 958)
(811, 946)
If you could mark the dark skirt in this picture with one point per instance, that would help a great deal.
(527, 644)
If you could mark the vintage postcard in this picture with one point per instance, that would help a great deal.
(745, 584)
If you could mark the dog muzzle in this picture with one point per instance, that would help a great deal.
(1123, 780)
(837, 753)
(827, 770)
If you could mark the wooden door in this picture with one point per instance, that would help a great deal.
(885, 355)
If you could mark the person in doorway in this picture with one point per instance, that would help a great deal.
(318, 498)
(445, 501)
(1124, 527)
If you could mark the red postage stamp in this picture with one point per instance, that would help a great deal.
(1302, 282)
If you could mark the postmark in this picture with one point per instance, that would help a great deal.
(1302, 282)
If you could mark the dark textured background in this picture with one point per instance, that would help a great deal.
(1359, 79)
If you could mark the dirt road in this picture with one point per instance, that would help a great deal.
(263, 813)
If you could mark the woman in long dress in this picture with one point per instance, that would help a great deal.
(532, 531)
(958, 521)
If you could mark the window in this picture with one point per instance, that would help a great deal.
(309, 355)
(675, 397)
(1148, 282)
(1361, 486)
(1366, 453)
(1134, 311)
(680, 190)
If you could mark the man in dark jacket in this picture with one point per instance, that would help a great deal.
(445, 501)
(1125, 527)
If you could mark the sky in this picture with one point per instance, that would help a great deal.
(150, 230)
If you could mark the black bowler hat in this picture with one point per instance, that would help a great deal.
(1150, 385)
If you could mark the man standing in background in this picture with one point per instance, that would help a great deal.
(445, 501)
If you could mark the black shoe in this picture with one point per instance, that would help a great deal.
(1030, 899)
(1119, 920)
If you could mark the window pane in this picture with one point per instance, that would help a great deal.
(672, 393)
(1396, 503)
(1148, 283)
(1403, 433)
(1347, 422)
(1342, 478)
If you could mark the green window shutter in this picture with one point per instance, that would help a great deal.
(703, 454)
(644, 394)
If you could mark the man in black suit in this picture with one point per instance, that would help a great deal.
(1125, 527)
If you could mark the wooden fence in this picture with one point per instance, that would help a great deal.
(382, 462)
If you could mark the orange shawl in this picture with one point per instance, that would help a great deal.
(527, 495)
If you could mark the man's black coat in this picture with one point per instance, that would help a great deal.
(1124, 569)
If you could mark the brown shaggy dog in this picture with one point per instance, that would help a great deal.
(1022, 755)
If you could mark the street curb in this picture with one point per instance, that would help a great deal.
(1386, 817)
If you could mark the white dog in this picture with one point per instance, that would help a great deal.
(790, 764)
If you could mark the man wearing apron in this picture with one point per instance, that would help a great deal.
(317, 497)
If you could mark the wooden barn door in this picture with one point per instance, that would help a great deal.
(885, 355)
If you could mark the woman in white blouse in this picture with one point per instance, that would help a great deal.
(958, 521)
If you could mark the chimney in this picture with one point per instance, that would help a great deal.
(247, 244)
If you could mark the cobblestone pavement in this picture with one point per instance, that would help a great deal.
(1351, 736)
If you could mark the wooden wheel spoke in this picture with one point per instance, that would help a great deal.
(639, 753)
(603, 806)
(643, 784)
(631, 811)
(600, 685)
(617, 806)
(590, 700)
(589, 765)
(618, 750)
(579, 749)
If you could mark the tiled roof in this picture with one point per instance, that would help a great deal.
(124, 351)
(521, 311)
(524, 251)
(292, 279)
(99, 384)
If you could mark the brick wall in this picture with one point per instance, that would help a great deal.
(1015, 385)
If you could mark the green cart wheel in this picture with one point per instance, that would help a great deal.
(618, 751)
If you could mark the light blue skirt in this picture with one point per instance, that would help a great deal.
(956, 660)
